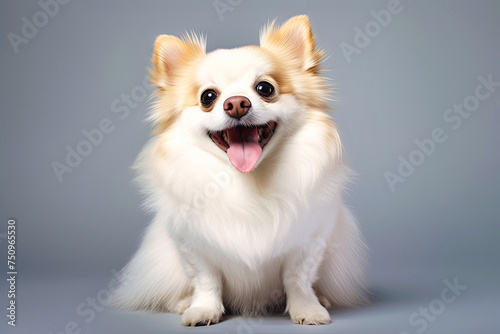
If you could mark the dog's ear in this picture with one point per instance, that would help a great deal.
(171, 54)
(295, 41)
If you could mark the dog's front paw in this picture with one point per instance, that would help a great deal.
(310, 315)
(194, 316)
(182, 305)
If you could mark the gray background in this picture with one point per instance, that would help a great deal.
(440, 224)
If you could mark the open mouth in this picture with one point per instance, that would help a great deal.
(244, 145)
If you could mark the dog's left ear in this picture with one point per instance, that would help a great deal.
(171, 54)
(295, 41)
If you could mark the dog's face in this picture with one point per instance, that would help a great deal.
(238, 103)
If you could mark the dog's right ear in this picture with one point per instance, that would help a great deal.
(294, 40)
(171, 53)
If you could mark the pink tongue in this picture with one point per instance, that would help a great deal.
(244, 150)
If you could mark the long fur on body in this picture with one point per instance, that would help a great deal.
(276, 238)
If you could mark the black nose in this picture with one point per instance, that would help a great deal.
(237, 106)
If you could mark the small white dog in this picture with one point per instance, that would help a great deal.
(245, 175)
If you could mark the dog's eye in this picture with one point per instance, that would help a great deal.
(208, 97)
(265, 89)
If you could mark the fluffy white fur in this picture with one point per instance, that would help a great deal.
(277, 238)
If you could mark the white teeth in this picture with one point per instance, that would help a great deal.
(225, 137)
(262, 132)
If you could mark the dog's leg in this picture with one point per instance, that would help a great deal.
(298, 276)
(206, 303)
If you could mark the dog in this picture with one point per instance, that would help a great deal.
(244, 173)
